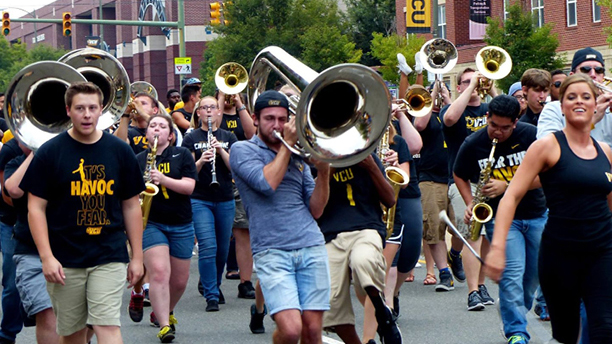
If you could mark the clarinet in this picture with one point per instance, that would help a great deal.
(214, 183)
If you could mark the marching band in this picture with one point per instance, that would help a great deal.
(522, 185)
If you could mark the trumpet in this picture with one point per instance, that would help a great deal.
(214, 183)
(494, 63)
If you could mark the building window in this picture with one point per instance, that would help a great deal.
(571, 13)
(596, 12)
(537, 8)
(506, 5)
(442, 21)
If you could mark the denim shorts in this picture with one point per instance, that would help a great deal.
(31, 284)
(178, 238)
(279, 272)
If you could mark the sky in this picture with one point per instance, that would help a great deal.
(22, 7)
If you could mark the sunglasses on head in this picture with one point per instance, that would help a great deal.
(557, 84)
(587, 69)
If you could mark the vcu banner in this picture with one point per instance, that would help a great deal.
(479, 11)
(418, 16)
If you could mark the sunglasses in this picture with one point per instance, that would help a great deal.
(557, 84)
(587, 69)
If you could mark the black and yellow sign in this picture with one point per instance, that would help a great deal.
(418, 16)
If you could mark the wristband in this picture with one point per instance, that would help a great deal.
(243, 107)
(125, 115)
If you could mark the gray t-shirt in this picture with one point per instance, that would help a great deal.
(552, 119)
(278, 219)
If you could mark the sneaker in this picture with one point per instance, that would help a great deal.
(221, 298)
(484, 295)
(146, 301)
(396, 306)
(135, 308)
(387, 328)
(246, 290)
(402, 65)
(417, 63)
(474, 302)
(517, 339)
(212, 306)
(166, 334)
(256, 325)
(153, 320)
(173, 322)
(456, 265)
(371, 341)
(194, 252)
(446, 281)
(544, 316)
(538, 309)
(200, 288)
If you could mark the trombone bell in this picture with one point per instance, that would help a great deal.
(418, 101)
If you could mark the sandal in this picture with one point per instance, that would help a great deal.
(430, 279)
(409, 278)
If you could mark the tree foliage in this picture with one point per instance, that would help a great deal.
(13, 57)
(310, 30)
(529, 46)
(607, 4)
(386, 48)
(367, 17)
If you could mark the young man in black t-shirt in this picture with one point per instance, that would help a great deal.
(83, 188)
(465, 116)
(182, 116)
(354, 233)
(536, 87)
(520, 277)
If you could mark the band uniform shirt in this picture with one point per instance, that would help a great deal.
(84, 185)
(433, 163)
(233, 124)
(354, 203)
(281, 218)
(197, 141)
(185, 114)
(403, 152)
(473, 119)
(9, 151)
(530, 117)
(24, 243)
(138, 139)
(170, 207)
(508, 156)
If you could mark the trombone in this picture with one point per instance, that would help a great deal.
(494, 63)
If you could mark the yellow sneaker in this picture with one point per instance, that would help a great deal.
(166, 334)
(172, 320)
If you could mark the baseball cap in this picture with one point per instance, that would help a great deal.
(271, 98)
(514, 88)
(192, 81)
(586, 54)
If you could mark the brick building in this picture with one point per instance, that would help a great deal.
(148, 57)
(578, 24)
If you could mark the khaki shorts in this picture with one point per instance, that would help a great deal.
(240, 217)
(91, 296)
(358, 255)
(434, 199)
(458, 205)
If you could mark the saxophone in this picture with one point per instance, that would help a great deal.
(150, 189)
(396, 177)
(481, 211)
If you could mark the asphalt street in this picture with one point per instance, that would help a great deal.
(426, 317)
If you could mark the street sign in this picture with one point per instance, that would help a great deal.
(182, 65)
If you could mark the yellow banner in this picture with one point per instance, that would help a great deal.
(418, 16)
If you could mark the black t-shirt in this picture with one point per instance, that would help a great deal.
(197, 141)
(472, 119)
(3, 125)
(9, 151)
(24, 241)
(187, 116)
(138, 139)
(169, 207)
(530, 117)
(412, 190)
(84, 185)
(353, 203)
(508, 156)
(433, 161)
(233, 124)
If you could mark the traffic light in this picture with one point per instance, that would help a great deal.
(6, 23)
(66, 24)
(215, 13)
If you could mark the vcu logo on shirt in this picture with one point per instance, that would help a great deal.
(92, 189)
(609, 175)
(343, 175)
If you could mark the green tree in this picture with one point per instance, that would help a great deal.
(607, 4)
(385, 49)
(528, 46)
(290, 24)
(367, 17)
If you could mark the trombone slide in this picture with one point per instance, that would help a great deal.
(444, 217)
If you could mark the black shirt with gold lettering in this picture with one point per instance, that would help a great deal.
(138, 139)
(84, 185)
(473, 155)
(169, 207)
(233, 124)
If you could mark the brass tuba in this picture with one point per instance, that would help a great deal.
(494, 63)
(341, 113)
(231, 78)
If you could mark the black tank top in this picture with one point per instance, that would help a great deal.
(576, 194)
